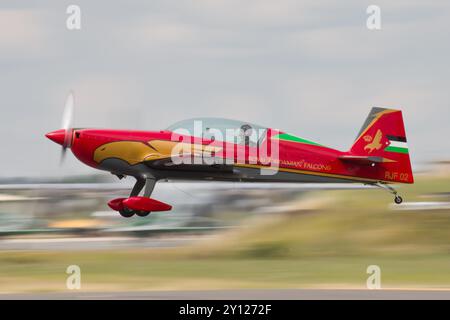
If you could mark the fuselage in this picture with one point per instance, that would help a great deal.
(231, 150)
(150, 153)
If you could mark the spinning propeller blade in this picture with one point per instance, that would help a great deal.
(64, 135)
(67, 124)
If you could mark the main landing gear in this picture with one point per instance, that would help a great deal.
(397, 198)
(136, 205)
(128, 213)
(149, 184)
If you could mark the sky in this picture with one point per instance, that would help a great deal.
(311, 68)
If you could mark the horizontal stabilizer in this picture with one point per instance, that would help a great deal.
(369, 160)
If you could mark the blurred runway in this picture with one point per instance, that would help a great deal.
(279, 294)
(96, 243)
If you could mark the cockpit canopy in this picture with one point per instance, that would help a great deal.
(220, 129)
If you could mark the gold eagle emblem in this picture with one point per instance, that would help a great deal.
(376, 142)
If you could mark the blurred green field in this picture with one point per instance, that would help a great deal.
(329, 245)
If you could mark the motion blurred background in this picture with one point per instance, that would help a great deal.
(310, 68)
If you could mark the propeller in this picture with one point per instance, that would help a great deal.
(66, 124)
(63, 136)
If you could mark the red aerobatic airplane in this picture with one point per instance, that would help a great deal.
(203, 149)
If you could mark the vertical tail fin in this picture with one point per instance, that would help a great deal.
(383, 135)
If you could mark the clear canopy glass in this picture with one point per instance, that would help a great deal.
(220, 129)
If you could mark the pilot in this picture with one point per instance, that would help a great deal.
(244, 134)
(208, 134)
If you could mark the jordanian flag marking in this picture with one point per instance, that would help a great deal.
(397, 144)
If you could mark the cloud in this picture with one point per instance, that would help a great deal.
(160, 33)
(101, 100)
(308, 67)
(21, 31)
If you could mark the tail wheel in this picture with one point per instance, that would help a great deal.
(127, 213)
(398, 199)
(142, 213)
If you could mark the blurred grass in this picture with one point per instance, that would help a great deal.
(356, 223)
(330, 246)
